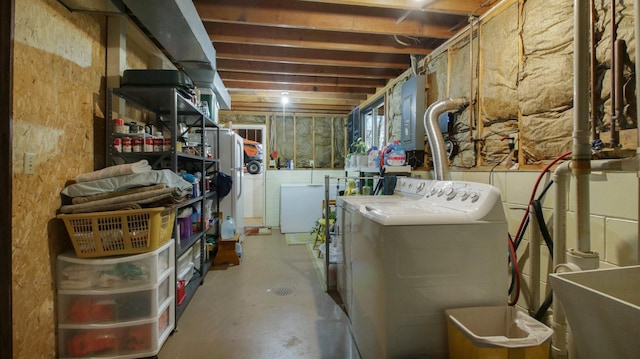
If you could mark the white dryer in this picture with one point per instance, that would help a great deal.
(412, 259)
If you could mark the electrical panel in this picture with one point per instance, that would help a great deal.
(413, 102)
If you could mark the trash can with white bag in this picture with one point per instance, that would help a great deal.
(500, 332)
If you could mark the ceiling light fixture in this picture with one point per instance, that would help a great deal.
(285, 97)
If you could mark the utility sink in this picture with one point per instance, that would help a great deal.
(602, 307)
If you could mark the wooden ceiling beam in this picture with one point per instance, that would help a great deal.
(317, 39)
(305, 80)
(438, 6)
(237, 65)
(310, 57)
(299, 94)
(232, 85)
(328, 17)
(298, 108)
(235, 97)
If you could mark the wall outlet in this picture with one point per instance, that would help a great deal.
(311, 163)
(29, 163)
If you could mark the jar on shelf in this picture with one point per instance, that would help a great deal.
(158, 142)
(126, 144)
(136, 144)
(117, 144)
(148, 144)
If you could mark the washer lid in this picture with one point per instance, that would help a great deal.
(413, 213)
(448, 202)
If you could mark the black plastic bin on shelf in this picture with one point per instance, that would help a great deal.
(496, 332)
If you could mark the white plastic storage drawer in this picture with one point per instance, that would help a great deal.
(100, 307)
(114, 272)
(137, 339)
(197, 253)
(186, 273)
(185, 259)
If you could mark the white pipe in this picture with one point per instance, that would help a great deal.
(559, 323)
(434, 136)
(581, 148)
(581, 167)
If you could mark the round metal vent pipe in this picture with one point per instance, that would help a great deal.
(434, 136)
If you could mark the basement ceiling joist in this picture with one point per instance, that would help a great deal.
(328, 48)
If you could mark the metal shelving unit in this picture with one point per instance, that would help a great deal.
(172, 112)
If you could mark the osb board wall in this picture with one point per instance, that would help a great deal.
(58, 69)
(301, 137)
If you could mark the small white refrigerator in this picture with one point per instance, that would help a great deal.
(231, 158)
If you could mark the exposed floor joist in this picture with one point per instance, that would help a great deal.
(339, 51)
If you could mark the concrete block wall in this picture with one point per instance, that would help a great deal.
(614, 218)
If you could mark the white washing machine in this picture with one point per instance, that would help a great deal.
(412, 258)
(349, 222)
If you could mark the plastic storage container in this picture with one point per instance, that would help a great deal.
(112, 306)
(120, 307)
(496, 333)
(111, 273)
(228, 228)
(196, 255)
(395, 154)
(134, 339)
(102, 234)
(185, 259)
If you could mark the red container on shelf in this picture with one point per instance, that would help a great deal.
(181, 290)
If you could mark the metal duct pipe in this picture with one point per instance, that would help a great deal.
(434, 136)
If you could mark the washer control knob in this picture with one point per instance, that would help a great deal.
(433, 190)
(440, 192)
(448, 191)
(420, 186)
(451, 195)
(475, 196)
(464, 195)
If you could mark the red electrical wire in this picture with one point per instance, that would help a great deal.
(516, 269)
(535, 189)
(524, 218)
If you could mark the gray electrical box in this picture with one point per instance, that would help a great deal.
(413, 102)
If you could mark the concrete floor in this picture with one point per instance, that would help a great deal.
(273, 305)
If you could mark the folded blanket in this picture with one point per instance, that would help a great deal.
(117, 202)
(96, 197)
(115, 171)
(121, 183)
